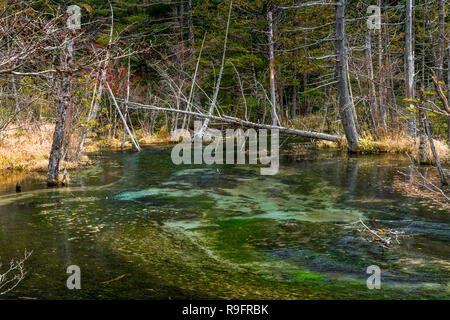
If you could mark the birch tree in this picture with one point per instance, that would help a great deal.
(409, 69)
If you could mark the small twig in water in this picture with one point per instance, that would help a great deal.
(14, 275)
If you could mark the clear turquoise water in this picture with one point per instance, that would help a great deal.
(162, 231)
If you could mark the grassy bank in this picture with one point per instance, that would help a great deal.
(394, 144)
(27, 149)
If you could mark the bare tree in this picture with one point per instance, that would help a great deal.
(409, 68)
(346, 110)
(213, 103)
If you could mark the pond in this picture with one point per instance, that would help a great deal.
(140, 227)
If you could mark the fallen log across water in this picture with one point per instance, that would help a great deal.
(244, 123)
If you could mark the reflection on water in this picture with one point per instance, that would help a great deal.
(166, 231)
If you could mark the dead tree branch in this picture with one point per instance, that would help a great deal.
(11, 278)
(240, 122)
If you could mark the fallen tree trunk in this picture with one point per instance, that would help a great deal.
(236, 121)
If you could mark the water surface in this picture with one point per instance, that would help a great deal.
(140, 227)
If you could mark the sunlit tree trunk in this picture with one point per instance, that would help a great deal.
(348, 121)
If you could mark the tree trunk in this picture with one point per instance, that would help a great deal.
(382, 85)
(93, 113)
(190, 26)
(304, 105)
(282, 113)
(348, 121)
(294, 102)
(124, 136)
(181, 20)
(442, 176)
(441, 42)
(448, 92)
(371, 81)
(97, 96)
(64, 100)
(355, 116)
(212, 106)
(423, 156)
(409, 68)
(393, 112)
(273, 94)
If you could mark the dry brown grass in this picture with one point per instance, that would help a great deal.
(442, 150)
(395, 144)
(94, 143)
(405, 145)
(28, 149)
(162, 136)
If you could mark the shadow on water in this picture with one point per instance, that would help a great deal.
(140, 227)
